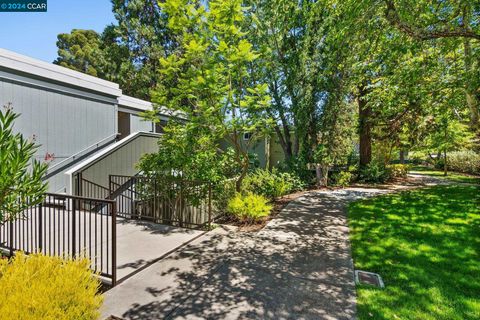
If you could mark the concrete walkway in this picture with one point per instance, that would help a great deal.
(298, 267)
(139, 243)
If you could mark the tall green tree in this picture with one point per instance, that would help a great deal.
(457, 20)
(81, 50)
(209, 77)
(302, 62)
(142, 29)
(127, 52)
(21, 182)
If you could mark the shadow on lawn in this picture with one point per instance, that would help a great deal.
(426, 246)
(299, 267)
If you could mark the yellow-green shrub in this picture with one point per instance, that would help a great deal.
(397, 170)
(249, 207)
(40, 287)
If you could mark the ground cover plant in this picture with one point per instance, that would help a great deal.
(271, 183)
(249, 207)
(425, 245)
(38, 287)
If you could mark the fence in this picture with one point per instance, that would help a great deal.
(67, 226)
(87, 188)
(168, 201)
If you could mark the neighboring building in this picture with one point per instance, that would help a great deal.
(73, 116)
(268, 150)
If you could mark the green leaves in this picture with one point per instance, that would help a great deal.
(211, 83)
(21, 182)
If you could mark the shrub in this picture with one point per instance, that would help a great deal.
(464, 161)
(222, 193)
(41, 287)
(271, 184)
(397, 171)
(374, 172)
(249, 207)
(344, 178)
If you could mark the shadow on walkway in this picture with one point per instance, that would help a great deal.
(298, 267)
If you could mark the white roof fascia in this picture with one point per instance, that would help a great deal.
(49, 71)
(134, 103)
(142, 105)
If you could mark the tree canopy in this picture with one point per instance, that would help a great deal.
(325, 76)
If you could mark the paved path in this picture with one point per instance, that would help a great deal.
(298, 267)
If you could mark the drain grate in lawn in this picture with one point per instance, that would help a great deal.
(368, 278)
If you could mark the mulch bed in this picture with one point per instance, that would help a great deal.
(278, 205)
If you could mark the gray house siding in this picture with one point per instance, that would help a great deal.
(63, 123)
(74, 117)
(138, 124)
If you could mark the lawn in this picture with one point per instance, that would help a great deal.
(426, 245)
(452, 176)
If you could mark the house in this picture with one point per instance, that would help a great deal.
(267, 150)
(84, 125)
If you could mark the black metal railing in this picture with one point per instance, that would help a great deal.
(67, 226)
(87, 188)
(168, 201)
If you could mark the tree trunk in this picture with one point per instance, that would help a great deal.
(286, 147)
(445, 167)
(402, 156)
(470, 90)
(322, 175)
(243, 174)
(365, 128)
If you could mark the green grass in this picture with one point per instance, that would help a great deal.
(452, 176)
(426, 246)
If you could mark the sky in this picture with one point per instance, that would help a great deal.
(35, 33)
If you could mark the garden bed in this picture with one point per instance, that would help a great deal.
(278, 205)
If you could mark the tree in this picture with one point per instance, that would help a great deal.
(303, 62)
(142, 29)
(185, 154)
(127, 52)
(457, 20)
(81, 51)
(209, 79)
(21, 182)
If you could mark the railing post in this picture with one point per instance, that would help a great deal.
(79, 184)
(114, 243)
(209, 206)
(110, 187)
(40, 229)
(11, 237)
(74, 230)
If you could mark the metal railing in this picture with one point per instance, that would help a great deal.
(87, 188)
(167, 201)
(79, 155)
(67, 226)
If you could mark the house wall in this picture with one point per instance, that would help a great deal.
(73, 117)
(277, 156)
(137, 123)
(260, 148)
(118, 159)
(63, 120)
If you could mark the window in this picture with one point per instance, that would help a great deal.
(247, 136)
(160, 125)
